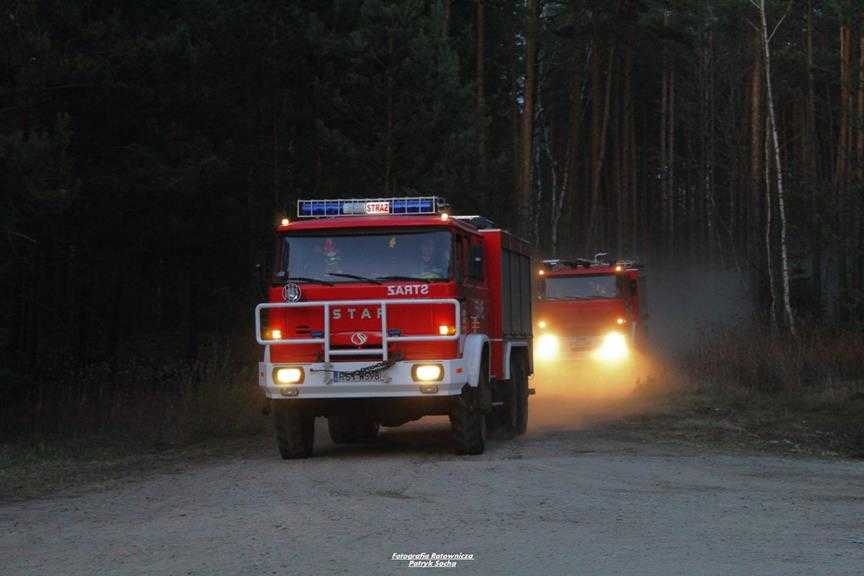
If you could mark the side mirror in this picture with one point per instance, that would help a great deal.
(260, 282)
(475, 266)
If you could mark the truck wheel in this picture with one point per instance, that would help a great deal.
(502, 420)
(348, 430)
(295, 431)
(467, 420)
(519, 373)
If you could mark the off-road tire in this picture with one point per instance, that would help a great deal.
(501, 422)
(519, 376)
(467, 421)
(351, 429)
(295, 431)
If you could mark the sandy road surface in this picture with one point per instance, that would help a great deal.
(577, 500)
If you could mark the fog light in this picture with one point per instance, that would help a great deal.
(427, 372)
(288, 375)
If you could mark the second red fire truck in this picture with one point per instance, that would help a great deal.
(385, 310)
(590, 315)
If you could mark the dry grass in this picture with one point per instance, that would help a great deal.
(805, 391)
(70, 426)
(172, 401)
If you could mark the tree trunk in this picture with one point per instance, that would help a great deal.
(538, 172)
(842, 168)
(861, 101)
(757, 149)
(516, 134)
(858, 222)
(670, 164)
(599, 156)
(388, 168)
(842, 204)
(811, 149)
(526, 155)
(625, 164)
(769, 254)
(577, 86)
(784, 257)
(481, 89)
(664, 154)
(708, 147)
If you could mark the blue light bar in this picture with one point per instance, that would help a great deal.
(370, 206)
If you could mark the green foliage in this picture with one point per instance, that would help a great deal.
(394, 114)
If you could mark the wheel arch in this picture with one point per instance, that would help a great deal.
(516, 347)
(476, 345)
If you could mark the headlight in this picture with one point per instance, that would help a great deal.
(288, 375)
(547, 347)
(427, 372)
(613, 348)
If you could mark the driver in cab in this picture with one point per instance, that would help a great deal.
(433, 261)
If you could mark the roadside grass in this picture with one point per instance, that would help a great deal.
(803, 395)
(44, 469)
(105, 422)
(735, 390)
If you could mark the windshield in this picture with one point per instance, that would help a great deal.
(335, 257)
(581, 287)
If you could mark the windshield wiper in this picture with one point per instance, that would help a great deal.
(307, 280)
(354, 277)
(417, 278)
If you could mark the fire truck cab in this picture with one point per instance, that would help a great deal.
(385, 310)
(590, 310)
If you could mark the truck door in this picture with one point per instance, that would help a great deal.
(473, 288)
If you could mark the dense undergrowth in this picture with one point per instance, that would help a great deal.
(809, 387)
(140, 399)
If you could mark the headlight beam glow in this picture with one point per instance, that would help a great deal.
(547, 347)
(613, 348)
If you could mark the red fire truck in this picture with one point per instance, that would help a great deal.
(385, 310)
(590, 310)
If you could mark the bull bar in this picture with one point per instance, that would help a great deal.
(326, 305)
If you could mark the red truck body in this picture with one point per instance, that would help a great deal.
(589, 309)
(356, 338)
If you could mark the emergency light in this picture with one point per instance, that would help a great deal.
(370, 206)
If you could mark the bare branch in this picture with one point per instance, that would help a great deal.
(788, 10)
(11, 233)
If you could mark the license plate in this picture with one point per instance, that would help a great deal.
(580, 344)
(352, 377)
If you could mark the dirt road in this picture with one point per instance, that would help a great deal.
(583, 499)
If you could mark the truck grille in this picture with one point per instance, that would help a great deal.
(581, 343)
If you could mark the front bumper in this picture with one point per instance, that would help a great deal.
(395, 382)
(581, 346)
